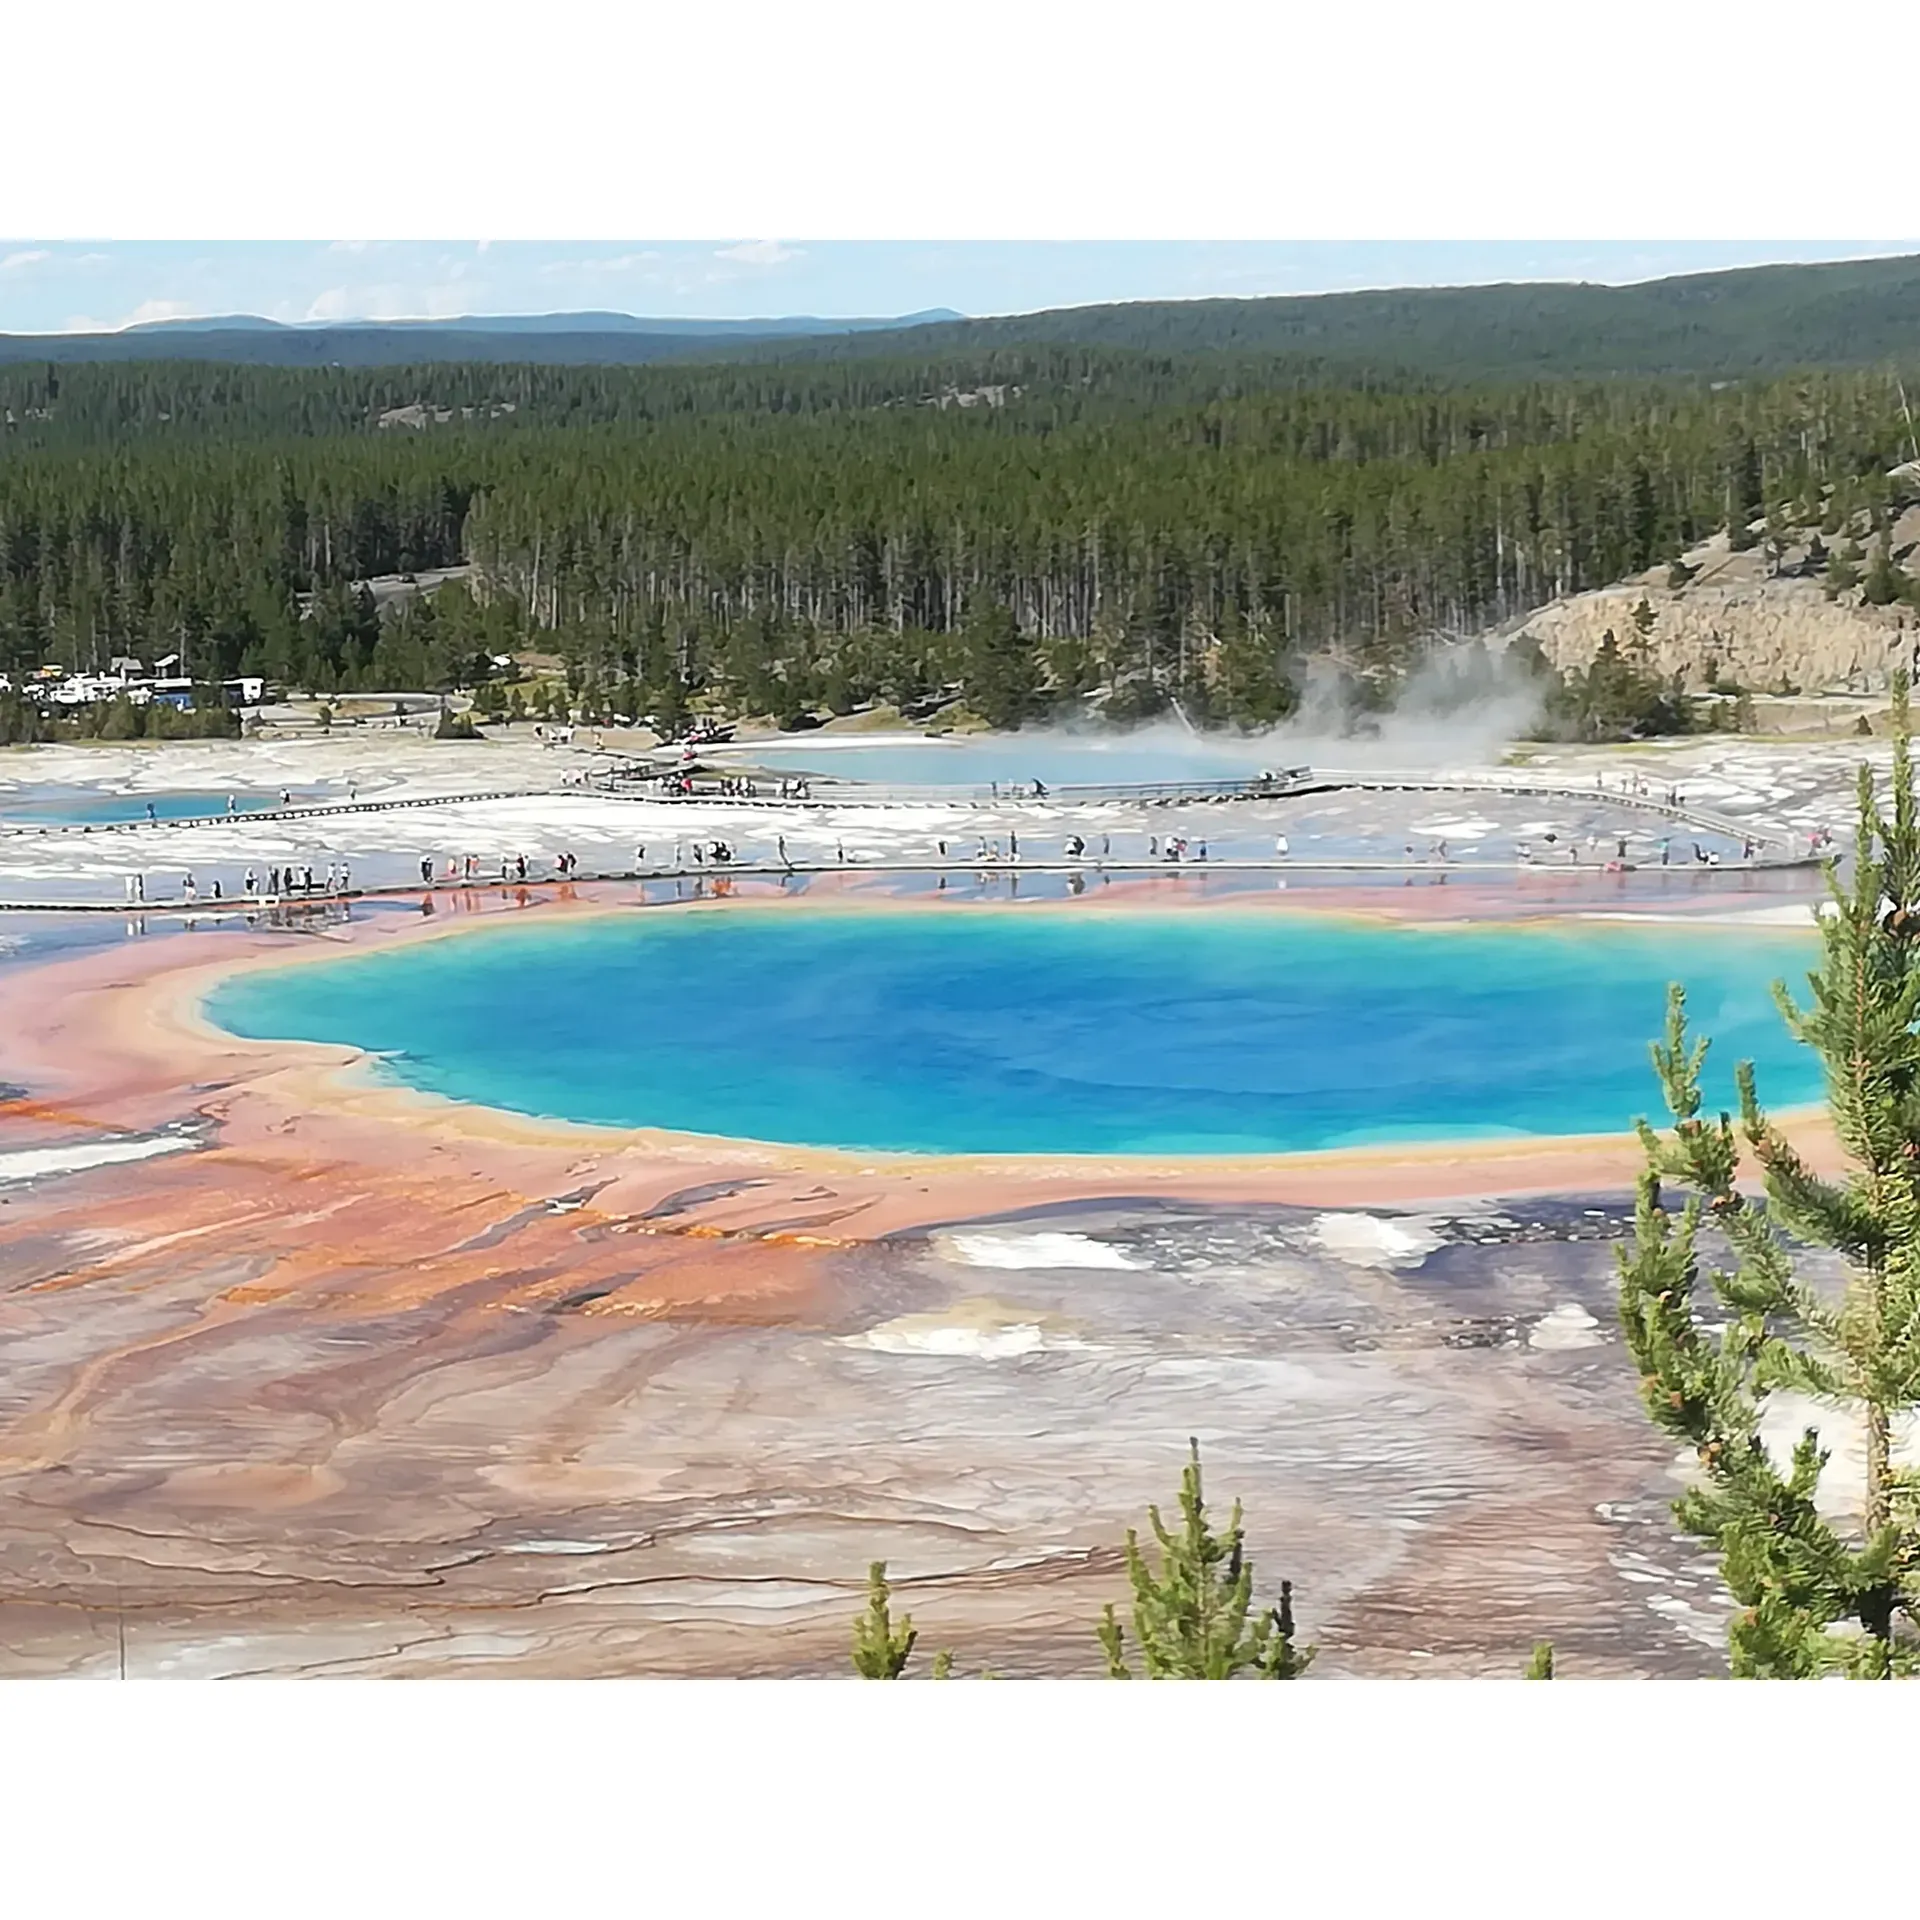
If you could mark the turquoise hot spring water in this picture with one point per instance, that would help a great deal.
(1049, 1030)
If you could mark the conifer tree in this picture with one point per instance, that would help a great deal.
(1883, 584)
(880, 1649)
(1815, 1597)
(1190, 1617)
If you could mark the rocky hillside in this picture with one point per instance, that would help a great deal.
(1781, 617)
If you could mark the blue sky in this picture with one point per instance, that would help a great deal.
(65, 286)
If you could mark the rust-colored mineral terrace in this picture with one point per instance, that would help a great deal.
(343, 1379)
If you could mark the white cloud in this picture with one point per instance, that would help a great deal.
(146, 310)
(620, 263)
(159, 310)
(19, 262)
(760, 253)
(389, 303)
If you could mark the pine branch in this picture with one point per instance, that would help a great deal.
(1814, 1598)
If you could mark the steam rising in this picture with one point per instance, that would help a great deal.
(1462, 706)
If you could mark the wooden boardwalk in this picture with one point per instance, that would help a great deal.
(985, 871)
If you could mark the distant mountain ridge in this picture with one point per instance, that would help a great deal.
(790, 325)
(1744, 322)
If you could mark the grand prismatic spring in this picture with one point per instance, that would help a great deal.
(591, 1275)
(1047, 1030)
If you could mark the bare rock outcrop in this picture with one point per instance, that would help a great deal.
(1773, 636)
(1742, 619)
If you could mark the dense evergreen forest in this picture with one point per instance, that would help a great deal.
(1024, 527)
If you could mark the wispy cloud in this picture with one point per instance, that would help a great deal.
(760, 253)
(160, 310)
(19, 262)
(624, 263)
(389, 303)
(145, 311)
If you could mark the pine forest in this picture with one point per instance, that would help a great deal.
(1023, 528)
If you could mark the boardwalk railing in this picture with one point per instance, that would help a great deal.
(1282, 784)
(1522, 784)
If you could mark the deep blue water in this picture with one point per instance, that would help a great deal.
(1050, 1030)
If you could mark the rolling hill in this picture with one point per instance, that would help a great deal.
(1734, 324)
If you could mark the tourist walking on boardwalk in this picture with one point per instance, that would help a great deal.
(151, 815)
(130, 893)
(251, 883)
(190, 888)
(231, 808)
(1280, 845)
(426, 870)
(781, 842)
(215, 890)
(344, 876)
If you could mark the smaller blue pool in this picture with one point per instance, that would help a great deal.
(88, 807)
(1059, 760)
